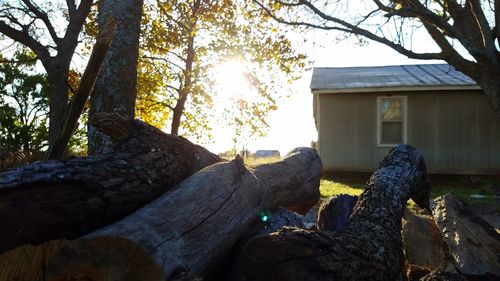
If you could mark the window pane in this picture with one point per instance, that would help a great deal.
(392, 133)
(391, 110)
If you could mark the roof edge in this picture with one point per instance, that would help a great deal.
(396, 89)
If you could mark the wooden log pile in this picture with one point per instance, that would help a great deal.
(161, 208)
(155, 208)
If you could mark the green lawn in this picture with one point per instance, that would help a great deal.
(487, 188)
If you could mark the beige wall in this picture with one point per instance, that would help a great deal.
(456, 131)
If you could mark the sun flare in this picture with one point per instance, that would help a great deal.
(231, 82)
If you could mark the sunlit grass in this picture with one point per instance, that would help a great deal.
(329, 188)
(489, 189)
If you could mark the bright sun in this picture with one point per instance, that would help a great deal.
(231, 82)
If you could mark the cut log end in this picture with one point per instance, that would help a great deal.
(103, 258)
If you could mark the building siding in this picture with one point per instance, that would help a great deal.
(456, 131)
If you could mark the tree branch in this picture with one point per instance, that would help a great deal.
(44, 18)
(24, 38)
(450, 55)
(350, 28)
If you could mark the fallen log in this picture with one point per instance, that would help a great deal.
(196, 224)
(369, 248)
(266, 222)
(67, 199)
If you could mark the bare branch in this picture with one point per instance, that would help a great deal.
(24, 38)
(450, 55)
(350, 28)
(76, 21)
(44, 18)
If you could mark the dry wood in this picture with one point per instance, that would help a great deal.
(196, 224)
(368, 249)
(57, 149)
(67, 199)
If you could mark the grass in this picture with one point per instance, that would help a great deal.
(490, 189)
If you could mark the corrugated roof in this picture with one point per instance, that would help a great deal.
(387, 77)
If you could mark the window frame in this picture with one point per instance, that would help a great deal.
(403, 100)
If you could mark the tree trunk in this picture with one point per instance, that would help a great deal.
(115, 88)
(490, 85)
(59, 145)
(185, 89)
(58, 101)
(368, 249)
(193, 226)
(67, 199)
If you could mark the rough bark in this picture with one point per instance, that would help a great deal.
(334, 213)
(193, 226)
(473, 242)
(266, 222)
(368, 249)
(58, 100)
(115, 88)
(442, 275)
(58, 146)
(67, 199)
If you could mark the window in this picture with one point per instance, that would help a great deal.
(391, 121)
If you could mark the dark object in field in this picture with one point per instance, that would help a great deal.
(195, 225)
(368, 249)
(334, 213)
(67, 199)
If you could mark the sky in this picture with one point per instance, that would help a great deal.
(292, 124)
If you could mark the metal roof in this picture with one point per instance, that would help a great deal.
(389, 78)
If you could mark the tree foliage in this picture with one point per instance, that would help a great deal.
(184, 41)
(465, 32)
(23, 109)
(38, 25)
(23, 104)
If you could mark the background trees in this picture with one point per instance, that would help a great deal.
(465, 32)
(181, 45)
(178, 78)
(32, 24)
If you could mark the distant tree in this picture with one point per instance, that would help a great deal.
(32, 24)
(467, 32)
(23, 107)
(182, 43)
(115, 88)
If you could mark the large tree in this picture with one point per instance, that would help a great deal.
(184, 41)
(33, 24)
(466, 32)
(115, 88)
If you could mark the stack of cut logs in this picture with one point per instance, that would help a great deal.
(157, 208)
(161, 208)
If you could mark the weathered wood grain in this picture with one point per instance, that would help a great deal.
(196, 224)
(368, 249)
(69, 198)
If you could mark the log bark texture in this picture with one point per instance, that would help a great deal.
(67, 199)
(196, 224)
(334, 213)
(368, 249)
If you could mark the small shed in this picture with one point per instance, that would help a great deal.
(361, 112)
